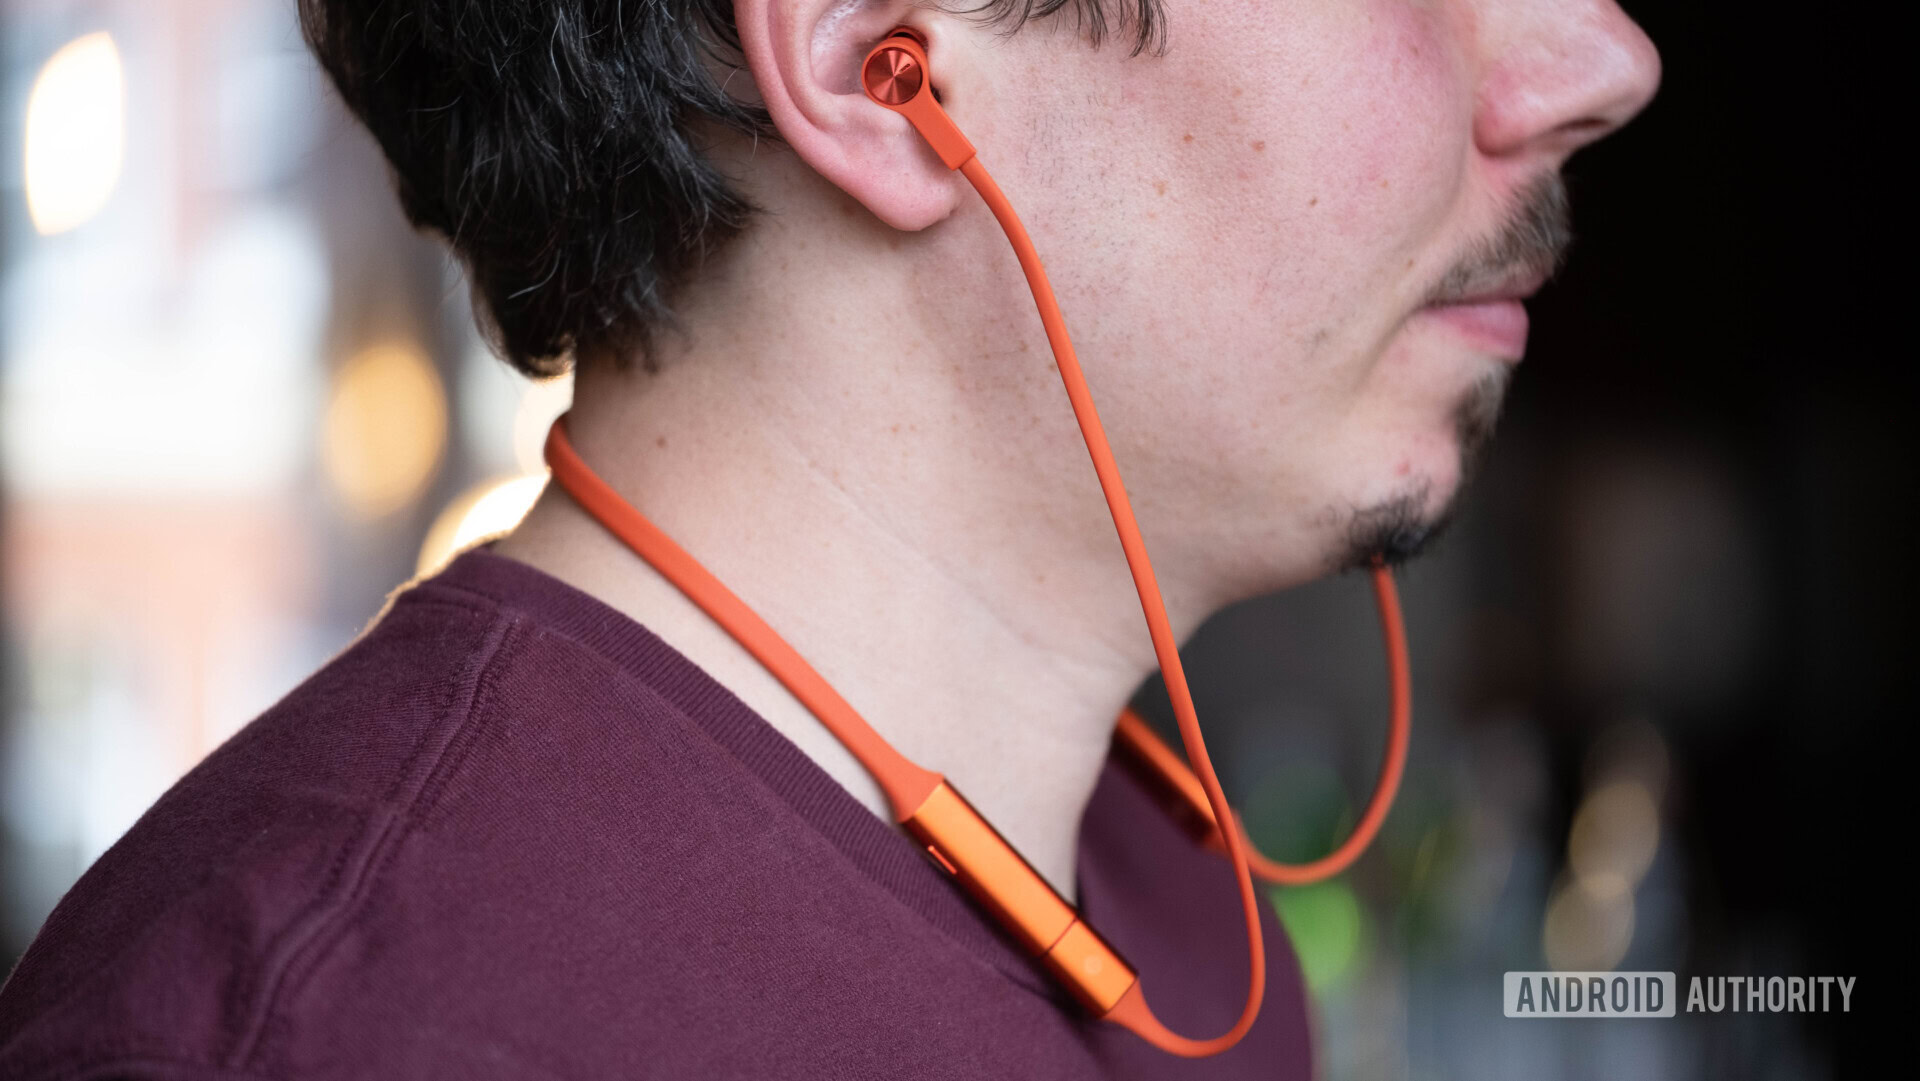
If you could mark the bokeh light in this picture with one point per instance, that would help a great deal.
(1611, 845)
(75, 134)
(1587, 931)
(1326, 925)
(386, 429)
(1614, 836)
(540, 402)
(482, 511)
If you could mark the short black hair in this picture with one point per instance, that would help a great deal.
(553, 143)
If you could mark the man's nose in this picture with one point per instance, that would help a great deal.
(1560, 74)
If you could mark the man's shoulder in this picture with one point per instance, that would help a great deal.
(434, 837)
(172, 948)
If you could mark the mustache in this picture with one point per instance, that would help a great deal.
(1525, 250)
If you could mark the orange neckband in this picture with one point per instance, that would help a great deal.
(957, 838)
(955, 835)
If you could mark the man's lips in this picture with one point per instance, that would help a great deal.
(1498, 326)
(1492, 317)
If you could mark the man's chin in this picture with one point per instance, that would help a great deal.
(1475, 416)
(1395, 530)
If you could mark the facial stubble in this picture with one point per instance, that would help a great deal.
(1533, 241)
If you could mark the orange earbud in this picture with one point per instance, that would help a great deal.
(896, 75)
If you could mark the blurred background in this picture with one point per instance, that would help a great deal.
(240, 402)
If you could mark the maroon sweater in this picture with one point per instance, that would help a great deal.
(509, 833)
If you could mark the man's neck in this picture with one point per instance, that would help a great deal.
(963, 590)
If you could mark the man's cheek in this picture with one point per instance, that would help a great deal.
(1405, 128)
(1421, 375)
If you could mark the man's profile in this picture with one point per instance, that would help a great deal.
(545, 818)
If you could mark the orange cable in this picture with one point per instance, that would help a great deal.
(905, 784)
(1132, 1011)
(1166, 769)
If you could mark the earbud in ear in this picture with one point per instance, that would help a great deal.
(897, 76)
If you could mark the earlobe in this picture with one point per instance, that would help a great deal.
(805, 57)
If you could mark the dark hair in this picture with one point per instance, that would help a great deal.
(551, 142)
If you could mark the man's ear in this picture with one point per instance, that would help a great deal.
(805, 58)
